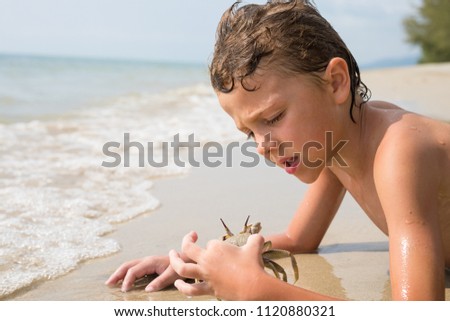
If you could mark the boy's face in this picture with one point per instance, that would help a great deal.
(288, 117)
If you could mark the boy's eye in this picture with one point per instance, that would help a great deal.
(275, 119)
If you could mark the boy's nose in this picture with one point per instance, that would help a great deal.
(260, 149)
(265, 145)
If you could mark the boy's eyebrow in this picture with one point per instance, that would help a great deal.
(257, 113)
(252, 117)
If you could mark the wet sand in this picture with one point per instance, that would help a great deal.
(340, 269)
(352, 262)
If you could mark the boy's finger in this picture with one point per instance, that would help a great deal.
(186, 270)
(135, 273)
(120, 272)
(128, 281)
(255, 245)
(189, 248)
(195, 289)
(166, 278)
(193, 236)
(255, 241)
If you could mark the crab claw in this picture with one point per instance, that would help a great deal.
(229, 233)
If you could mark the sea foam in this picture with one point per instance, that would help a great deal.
(57, 201)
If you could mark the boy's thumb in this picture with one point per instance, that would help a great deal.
(256, 242)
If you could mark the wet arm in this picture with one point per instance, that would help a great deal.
(272, 289)
(407, 182)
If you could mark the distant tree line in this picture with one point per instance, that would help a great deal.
(430, 29)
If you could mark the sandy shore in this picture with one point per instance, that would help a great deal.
(422, 89)
(224, 193)
(353, 259)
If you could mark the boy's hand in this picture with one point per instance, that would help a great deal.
(229, 272)
(133, 270)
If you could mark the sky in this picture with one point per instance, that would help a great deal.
(179, 30)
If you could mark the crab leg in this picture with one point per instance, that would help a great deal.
(267, 246)
(276, 268)
(269, 264)
(294, 267)
(279, 254)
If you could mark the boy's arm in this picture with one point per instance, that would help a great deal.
(313, 216)
(407, 179)
(273, 289)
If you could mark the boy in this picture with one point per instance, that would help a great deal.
(288, 81)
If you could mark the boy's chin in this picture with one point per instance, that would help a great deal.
(308, 175)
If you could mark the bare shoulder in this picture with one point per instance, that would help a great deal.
(413, 138)
(412, 160)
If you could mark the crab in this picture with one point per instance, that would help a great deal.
(268, 254)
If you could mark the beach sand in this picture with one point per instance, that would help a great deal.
(352, 262)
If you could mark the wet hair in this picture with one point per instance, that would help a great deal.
(291, 35)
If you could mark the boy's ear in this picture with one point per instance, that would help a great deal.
(338, 79)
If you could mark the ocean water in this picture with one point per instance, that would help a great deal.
(57, 202)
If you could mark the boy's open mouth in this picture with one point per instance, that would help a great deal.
(291, 164)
